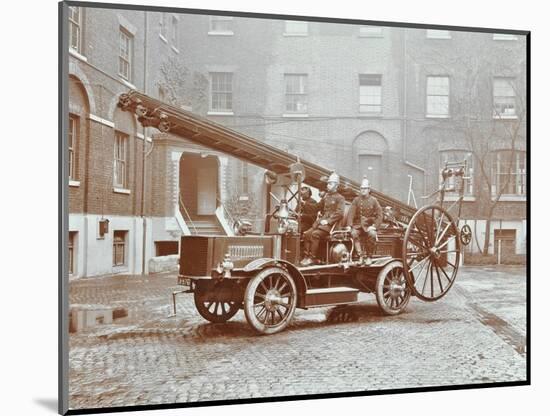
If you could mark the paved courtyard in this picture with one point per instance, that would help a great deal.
(476, 334)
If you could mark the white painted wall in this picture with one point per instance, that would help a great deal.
(94, 255)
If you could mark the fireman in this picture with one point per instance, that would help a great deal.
(333, 211)
(364, 217)
(310, 209)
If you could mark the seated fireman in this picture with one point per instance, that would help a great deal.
(364, 217)
(310, 209)
(333, 211)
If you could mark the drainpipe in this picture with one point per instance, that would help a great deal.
(405, 115)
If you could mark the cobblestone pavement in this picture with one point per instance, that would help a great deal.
(476, 334)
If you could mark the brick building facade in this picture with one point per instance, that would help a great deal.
(355, 99)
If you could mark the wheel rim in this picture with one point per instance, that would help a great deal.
(273, 300)
(219, 308)
(432, 249)
(394, 289)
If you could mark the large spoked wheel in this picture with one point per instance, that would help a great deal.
(217, 303)
(392, 292)
(431, 248)
(270, 300)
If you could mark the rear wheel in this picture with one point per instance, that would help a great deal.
(392, 291)
(217, 303)
(270, 300)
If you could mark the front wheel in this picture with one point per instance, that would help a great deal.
(392, 292)
(270, 300)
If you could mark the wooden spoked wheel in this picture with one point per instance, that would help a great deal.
(431, 248)
(392, 291)
(216, 303)
(270, 300)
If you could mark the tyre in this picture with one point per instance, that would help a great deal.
(270, 300)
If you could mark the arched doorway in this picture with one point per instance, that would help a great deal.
(370, 150)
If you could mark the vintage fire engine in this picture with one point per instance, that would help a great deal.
(417, 254)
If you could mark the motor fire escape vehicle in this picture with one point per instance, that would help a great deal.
(417, 253)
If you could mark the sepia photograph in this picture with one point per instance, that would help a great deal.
(266, 207)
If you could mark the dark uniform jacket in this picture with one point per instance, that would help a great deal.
(332, 207)
(364, 211)
(310, 208)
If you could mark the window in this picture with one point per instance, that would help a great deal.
(295, 93)
(75, 25)
(221, 25)
(504, 36)
(458, 156)
(370, 31)
(295, 28)
(438, 34)
(125, 55)
(437, 97)
(370, 93)
(509, 173)
(163, 26)
(221, 87)
(504, 98)
(119, 248)
(73, 129)
(72, 249)
(120, 176)
(174, 36)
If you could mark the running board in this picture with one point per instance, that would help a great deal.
(330, 296)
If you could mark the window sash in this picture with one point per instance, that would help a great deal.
(119, 248)
(437, 96)
(370, 31)
(296, 93)
(163, 25)
(221, 91)
(293, 27)
(120, 157)
(504, 97)
(72, 235)
(221, 24)
(516, 179)
(74, 28)
(438, 34)
(125, 46)
(71, 143)
(370, 93)
(174, 37)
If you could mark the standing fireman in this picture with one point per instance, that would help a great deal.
(365, 216)
(333, 211)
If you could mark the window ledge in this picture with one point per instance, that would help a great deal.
(505, 117)
(370, 114)
(437, 116)
(221, 33)
(221, 113)
(127, 83)
(163, 38)
(295, 34)
(370, 36)
(511, 198)
(175, 49)
(121, 191)
(452, 198)
(296, 115)
(439, 37)
(74, 183)
(77, 55)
